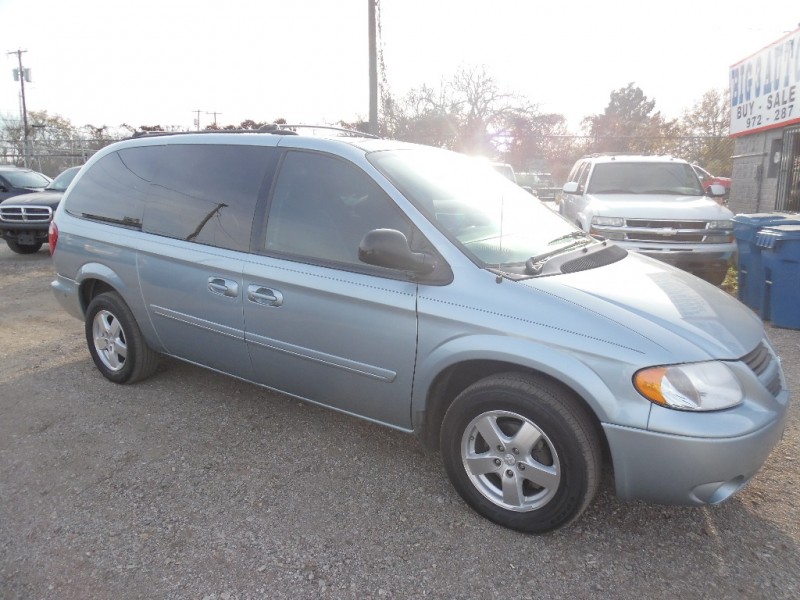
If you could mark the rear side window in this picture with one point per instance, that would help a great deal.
(113, 190)
(199, 193)
(207, 193)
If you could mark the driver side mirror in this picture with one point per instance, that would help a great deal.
(389, 248)
(571, 188)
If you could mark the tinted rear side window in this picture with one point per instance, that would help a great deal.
(114, 189)
(200, 193)
(207, 193)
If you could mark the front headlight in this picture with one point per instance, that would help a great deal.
(608, 221)
(699, 386)
(726, 224)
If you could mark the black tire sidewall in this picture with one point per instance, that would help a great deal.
(112, 303)
(23, 248)
(570, 498)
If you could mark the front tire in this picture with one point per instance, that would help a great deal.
(115, 341)
(23, 248)
(522, 452)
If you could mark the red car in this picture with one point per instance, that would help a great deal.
(707, 179)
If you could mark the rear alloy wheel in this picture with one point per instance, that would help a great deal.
(23, 248)
(522, 452)
(115, 341)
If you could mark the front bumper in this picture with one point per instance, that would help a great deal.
(26, 233)
(687, 470)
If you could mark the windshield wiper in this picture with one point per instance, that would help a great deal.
(535, 264)
(569, 236)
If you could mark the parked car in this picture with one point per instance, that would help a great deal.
(16, 180)
(25, 219)
(413, 287)
(653, 205)
(707, 179)
(505, 170)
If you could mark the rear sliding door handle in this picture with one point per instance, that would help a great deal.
(223, 287)
(264, 295)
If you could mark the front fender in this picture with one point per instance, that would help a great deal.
(580, 372)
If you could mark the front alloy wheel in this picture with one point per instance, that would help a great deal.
(510, 460)
(522, 450)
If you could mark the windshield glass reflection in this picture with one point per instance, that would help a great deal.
(494, 220)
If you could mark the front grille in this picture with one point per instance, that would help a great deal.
(671, 232)
(659, 224)
(26, 214)
(766, 367)
(642, 236)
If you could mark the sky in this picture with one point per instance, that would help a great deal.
(147, 62)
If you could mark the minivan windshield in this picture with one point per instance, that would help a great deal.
(493, 220)
(644, 178)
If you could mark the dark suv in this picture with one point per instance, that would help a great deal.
(16, 180)
(25, 218)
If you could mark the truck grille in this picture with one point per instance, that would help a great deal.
(765, 365)
(26, 214)
(672, 232)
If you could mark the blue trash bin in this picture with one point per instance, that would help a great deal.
(751, 273)
(780, 251)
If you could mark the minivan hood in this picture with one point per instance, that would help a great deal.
(672, 308)
(666, 207)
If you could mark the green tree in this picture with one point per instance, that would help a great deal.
(705, 128)
(630, 124)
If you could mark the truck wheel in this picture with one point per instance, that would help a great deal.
(23, 248)
(715, 276)
(521, 452)
(115, 341)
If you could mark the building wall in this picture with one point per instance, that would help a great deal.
(755, 178)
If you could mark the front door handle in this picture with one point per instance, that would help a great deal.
(223, 287)
(264, 295)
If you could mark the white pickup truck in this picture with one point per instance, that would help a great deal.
(654, 205)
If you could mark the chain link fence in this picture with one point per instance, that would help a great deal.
(52, 156)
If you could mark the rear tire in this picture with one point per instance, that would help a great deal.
(23, 248)
(522, 452)
(115, 341)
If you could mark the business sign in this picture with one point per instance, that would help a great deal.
(765, 88)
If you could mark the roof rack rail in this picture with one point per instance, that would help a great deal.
(272, 128)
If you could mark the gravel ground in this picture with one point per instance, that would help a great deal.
(194, 485)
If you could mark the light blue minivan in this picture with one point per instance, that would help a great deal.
(420, 289)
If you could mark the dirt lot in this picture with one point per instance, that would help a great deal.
(193, 485)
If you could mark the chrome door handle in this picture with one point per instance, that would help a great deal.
(223, 287)
(264, 295)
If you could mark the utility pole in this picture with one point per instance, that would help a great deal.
(215, 117)
(373, 69)
(197, 118)
(23, 74)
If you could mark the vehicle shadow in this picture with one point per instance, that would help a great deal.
(201, 481)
